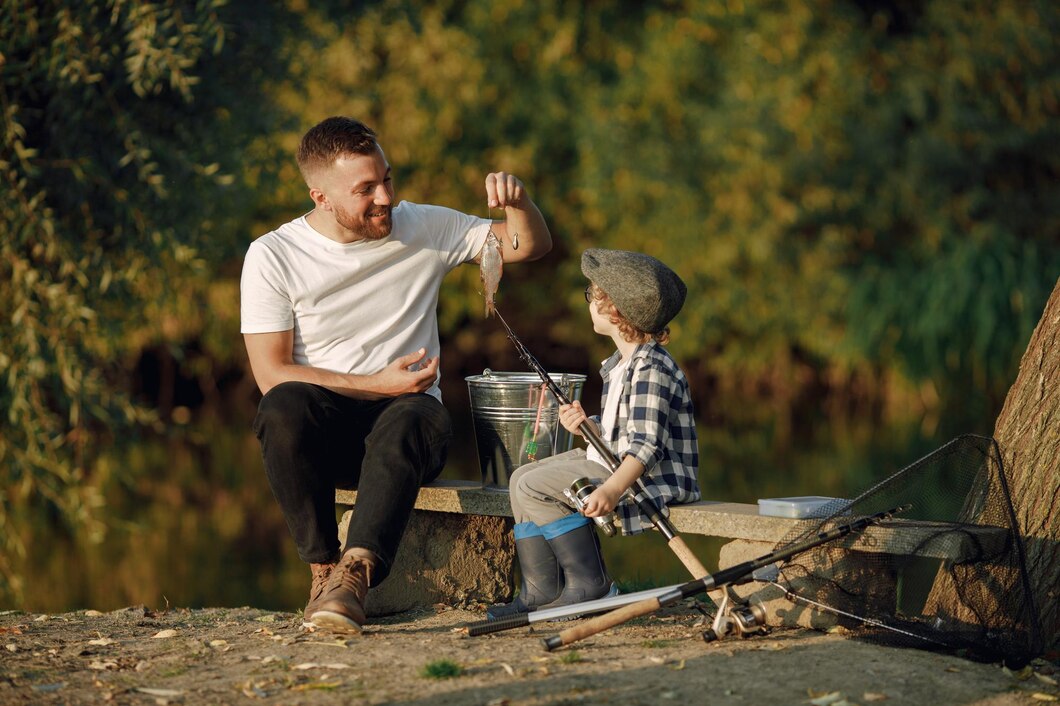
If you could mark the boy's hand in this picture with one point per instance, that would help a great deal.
(601, 501)
(571, 416)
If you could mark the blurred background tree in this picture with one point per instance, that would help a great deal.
(862, 196)
(133, 147)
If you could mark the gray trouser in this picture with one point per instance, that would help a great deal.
(536, 489)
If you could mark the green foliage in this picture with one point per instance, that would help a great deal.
(126, 166)
(853, 192)
(571, 657)
(441, 669)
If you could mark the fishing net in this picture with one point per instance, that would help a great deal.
(947, 573)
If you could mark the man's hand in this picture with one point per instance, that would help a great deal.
(571, 416)
(523, 233)
(503, 190)
(409, 373)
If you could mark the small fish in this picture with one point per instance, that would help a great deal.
(490, 269)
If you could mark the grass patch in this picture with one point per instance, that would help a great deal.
(655, 644)
(441, 669)
(572, 657)
(174, 671)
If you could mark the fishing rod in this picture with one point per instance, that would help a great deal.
(796, 598)
(641, 497)
(721, 579)
(600, 605)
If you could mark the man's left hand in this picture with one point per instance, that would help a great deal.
(503, 190)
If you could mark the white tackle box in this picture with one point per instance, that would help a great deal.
(802, 506)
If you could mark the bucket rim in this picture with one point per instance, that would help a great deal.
(500, 377)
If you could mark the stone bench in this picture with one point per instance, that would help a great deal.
(458, 548)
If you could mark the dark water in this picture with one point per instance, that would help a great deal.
(191, 521)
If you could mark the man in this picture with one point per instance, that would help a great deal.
(338, 312)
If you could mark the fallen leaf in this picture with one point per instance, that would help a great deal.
(507, 668)
(253, 691)
(218, 643)
(102, 642)
(1039, 696)
(97, 664)
(160, 692)
(15, 630)
(1021, 675)
(93, 614)
(828, 699)
(1047, 680)
(11, 647)
(324, 685)
(657, 660)
(679, 666)
(163, 634)
(873, 696)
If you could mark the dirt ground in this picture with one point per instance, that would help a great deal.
(244, 655)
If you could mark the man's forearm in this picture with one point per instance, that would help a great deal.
(531, 227)
(356, 386)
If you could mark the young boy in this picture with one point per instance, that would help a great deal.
(646, 421)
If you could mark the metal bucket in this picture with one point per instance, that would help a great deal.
(510, 415)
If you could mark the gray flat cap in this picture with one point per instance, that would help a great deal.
(644, 290)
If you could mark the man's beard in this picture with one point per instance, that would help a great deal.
(365, 227)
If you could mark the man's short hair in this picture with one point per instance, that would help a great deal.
(331, 139)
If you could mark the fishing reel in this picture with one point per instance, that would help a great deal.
(736, 617)
(577, 493)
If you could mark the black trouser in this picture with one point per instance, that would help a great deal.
(314, 441)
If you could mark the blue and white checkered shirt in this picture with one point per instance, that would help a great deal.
(654, 424)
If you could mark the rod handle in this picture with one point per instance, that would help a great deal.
(601, 622)
(687, 558)
(485, 627)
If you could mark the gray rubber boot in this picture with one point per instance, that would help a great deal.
(585, 577)
(542, 579)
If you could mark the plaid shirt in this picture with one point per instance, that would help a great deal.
(654, 424)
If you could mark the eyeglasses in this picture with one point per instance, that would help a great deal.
(589, 294)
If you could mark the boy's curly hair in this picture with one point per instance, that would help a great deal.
(627, 330)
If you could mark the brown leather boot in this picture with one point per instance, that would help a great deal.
(321, 574)
(341, 608)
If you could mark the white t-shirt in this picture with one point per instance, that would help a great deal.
(356, 307)
(609, 415)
